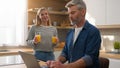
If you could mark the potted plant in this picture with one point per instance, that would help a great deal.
(117, 46)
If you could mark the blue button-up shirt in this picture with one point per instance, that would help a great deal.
(86, 46)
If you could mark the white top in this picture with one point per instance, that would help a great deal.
(77, 31)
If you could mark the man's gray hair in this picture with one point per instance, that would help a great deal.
(79, 3)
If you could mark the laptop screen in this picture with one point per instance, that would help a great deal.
(30, 61)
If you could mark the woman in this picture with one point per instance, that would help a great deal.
(43, 45)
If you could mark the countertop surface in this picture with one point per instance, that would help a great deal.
(14, 66)
(14, 51)
(109, 55)
(22, 65)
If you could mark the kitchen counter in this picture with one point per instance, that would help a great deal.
(14, 66)
(6, 51)
(14, 51)
(109, 55)
(22, 65)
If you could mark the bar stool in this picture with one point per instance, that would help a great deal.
(104, 62)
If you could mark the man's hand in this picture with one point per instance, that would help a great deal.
(55, 64)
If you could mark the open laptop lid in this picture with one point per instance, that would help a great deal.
(29, 60)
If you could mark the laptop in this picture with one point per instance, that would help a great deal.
(30, 60)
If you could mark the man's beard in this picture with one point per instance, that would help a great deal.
(75, 22)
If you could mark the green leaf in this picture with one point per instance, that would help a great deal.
(116, 45)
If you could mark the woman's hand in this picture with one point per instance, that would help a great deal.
(36, 40)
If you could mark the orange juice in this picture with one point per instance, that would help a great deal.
(54, 39)
(38, 38)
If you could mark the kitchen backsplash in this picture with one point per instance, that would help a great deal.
(62, 34)
(109, 36)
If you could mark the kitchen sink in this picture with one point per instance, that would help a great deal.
(3, 50)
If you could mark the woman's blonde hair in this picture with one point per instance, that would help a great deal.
(38, 20)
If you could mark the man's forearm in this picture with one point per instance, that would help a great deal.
(78, 64)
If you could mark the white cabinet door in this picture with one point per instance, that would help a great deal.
(114, 63)
(96, 10)
(113, 12)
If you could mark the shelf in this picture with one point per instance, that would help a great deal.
(65, 27)
(58, 12)
(58, 27)
(51, 12)
(108, 26)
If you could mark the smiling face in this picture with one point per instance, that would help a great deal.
(76, 15)
(44, 16)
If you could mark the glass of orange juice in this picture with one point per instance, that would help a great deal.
(38, 37)
(54, 39)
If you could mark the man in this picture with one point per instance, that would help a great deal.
(82, 43)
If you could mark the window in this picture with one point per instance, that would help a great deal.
(13, 22)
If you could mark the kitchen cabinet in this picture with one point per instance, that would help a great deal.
(96, 11)
(57, 10)
(103, 12)
(114, 63)
(10, 60)
(112, 12)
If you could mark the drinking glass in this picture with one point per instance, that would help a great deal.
(54, 39)
(38, 37)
